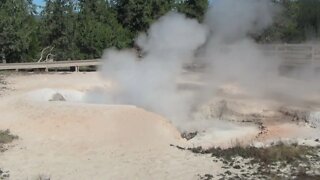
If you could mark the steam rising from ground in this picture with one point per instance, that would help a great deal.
(151, 82)
(232, 20)
(221, 43)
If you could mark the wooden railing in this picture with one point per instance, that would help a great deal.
(294, 53)
(50, 65)
(290, 54)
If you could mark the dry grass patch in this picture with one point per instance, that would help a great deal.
(5, 138)
(278, 161)
(277, 152)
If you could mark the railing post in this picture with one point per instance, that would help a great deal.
(313, 53)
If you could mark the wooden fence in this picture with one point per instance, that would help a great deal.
(50, 65)
(290, 54)
(294, 54)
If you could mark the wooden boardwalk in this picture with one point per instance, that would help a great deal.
(50, 65)
(294, 54)
(290, 54)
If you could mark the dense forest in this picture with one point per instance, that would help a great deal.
(82, 29)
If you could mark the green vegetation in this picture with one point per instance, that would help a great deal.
(278, 152)
(79, 29)
(17, 30)
(82, 29)
(298, 21)
(6, 137)
(278, 161)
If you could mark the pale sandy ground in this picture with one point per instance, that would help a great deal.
(65, 140)
(77, 140)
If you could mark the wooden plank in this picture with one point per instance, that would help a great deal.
(55, 64)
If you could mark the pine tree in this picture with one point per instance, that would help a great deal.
(98, 28)
(193, 8)
(136, 15)
(17, 31)
(161, 7)
(58, 28)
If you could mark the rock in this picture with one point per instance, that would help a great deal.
(4, 174)
(236, 167)
(228, 173)
(57, 97)
(208, 176)
(44, 177)
(188, 135)
(180, 148)
(317, 140)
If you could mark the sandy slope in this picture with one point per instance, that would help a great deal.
(68, 140)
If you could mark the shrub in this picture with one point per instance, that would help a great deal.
(6, 137)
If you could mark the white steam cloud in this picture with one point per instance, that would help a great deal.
(232, 20)
(221, 44)
(151, 82)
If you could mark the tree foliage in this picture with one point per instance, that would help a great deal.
(58, 28)
(308, 18)
(17, 33)
(98, 29)
(137, 15)
(193, 8)
(82, 29)
(298, 21)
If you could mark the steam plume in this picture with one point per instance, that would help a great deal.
(222, 44)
